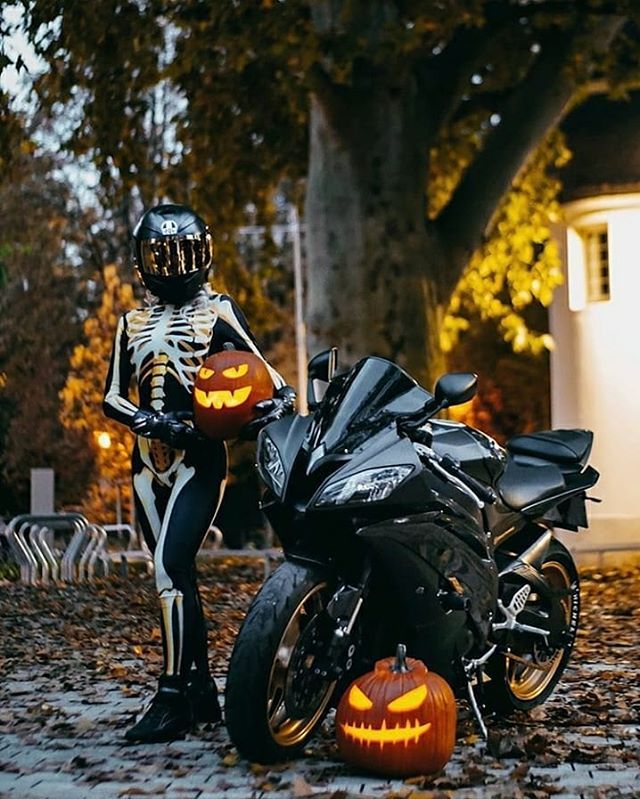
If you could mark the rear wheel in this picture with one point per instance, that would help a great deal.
(525, 673)
(274, 698)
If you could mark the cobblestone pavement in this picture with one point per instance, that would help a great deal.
(62, 715)
(77, 755)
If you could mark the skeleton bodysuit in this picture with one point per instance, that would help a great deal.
(177, 492)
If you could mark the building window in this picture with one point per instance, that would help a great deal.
(596, 257)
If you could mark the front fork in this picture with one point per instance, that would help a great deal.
(342, 612)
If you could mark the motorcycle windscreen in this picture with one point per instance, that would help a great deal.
(374, 393)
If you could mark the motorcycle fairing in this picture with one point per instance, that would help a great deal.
(409, 587)
(421, 487)
(543, 491)
(477, 454)
(575, 487)
(450, 548)
(288, 434)
(371, 397)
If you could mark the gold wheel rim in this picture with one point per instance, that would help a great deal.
(528, 678)
(287, 731)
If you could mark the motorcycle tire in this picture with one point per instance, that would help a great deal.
(273, 699)
(523, 680)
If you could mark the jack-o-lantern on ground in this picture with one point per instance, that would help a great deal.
(397, 720)
(227, 388)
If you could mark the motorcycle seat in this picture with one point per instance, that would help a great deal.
(564, 447)
(520, 486)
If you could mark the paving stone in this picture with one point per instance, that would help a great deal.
(63, 740)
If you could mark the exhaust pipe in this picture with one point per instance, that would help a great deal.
(528, 563)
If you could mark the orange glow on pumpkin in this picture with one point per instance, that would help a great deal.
(397, 720)
(227, 387)
(409, 701)
(358, 700)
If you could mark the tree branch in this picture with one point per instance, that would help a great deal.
(444, 80)
(534, 108)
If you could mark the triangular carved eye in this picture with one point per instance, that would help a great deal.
(236, 371)
(205, 373)
(359, 700)
(409, 701)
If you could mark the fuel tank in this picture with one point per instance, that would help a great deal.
(478, 454)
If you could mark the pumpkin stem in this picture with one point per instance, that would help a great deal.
(401, 660)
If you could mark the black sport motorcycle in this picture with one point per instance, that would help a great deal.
(399, 527)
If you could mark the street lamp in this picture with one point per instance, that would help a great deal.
(103, 440)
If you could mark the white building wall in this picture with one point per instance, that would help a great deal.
(595, 369)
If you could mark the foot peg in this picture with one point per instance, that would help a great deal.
(519, 600)
(513, 610)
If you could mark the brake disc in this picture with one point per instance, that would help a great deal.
(305, 687)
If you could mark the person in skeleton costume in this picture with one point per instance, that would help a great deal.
(178, 475)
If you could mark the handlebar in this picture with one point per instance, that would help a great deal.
(412, 427)
(410, 423)
(449, 468)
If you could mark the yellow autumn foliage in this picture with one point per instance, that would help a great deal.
(520, 262)
(81, 405)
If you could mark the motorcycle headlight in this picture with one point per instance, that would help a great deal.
(270, 464)
(372, 485)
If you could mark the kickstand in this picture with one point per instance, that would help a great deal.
(476, 707)
(475, 668)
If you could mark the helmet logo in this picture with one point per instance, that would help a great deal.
(169, 227)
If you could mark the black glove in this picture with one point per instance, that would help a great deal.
(271, 410)
(170, 428)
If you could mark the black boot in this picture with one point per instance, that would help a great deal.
(169, 715)
(203, 697)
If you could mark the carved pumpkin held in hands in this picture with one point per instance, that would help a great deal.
(227, 387)
(397, 720)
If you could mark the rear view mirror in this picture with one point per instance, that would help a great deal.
(455, 388)
(322, 367)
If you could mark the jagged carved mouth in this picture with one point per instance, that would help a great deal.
(222, 398)
(386, 735)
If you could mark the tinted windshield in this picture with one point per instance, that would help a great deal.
(371, 396)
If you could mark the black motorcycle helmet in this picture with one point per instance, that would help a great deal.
(173, 252)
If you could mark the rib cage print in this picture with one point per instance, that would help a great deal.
(165, 340)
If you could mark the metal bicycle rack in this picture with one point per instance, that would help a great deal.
(22, 553)
(94, 551)
(68, 573)
(135, 551)
(31, 539)
(43, 560)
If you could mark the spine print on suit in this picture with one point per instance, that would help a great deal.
(177, 492)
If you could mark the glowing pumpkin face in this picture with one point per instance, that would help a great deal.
(397, 720)
(227, 387)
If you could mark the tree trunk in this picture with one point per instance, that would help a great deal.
(373, 262)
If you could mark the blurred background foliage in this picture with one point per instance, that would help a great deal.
(133, 102)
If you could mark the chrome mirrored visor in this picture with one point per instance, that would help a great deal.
(171, 256)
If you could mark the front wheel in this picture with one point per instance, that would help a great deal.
(274, 700)
(525, 673)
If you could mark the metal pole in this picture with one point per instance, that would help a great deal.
(118, 504)
(301, 333)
